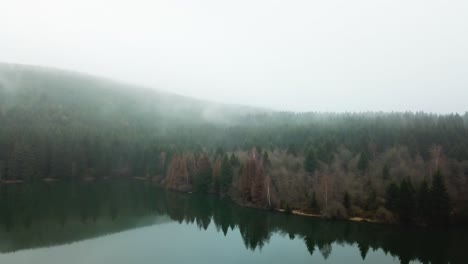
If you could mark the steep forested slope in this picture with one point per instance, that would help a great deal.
(69, 126)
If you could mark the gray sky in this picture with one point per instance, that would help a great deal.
(359, 55)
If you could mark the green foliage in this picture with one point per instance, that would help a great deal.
(440, 200)
(363, 163)
(325, 149)
(407, 201)
(266, 160)
(424, 202)
(392, 195)
(67, 126)
(292, 150)
(314, 204)
(431, 206)
(346, 201)
(386, 172)
(311, 162)
(234, 160)
(202, 181)
(226, 174)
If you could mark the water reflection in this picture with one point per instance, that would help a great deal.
(46, 214)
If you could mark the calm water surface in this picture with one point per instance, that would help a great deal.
(135, 222)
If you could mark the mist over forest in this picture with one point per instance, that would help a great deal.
(399, 167)
(263, 132)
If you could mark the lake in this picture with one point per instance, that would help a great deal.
(136, 222)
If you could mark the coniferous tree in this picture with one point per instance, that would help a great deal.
(202, 178)
(266, 160)
(407, 201)
(346, 201)
(226, 174)
(311, 163)
(363, 162)
(440, 200)
(386, 172)
(292, 150)
(363, 249)
(314, 204)
(234, 160)
(2, 169)
(392, 197)
(424, 202)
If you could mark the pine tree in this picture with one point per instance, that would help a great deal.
(310, 244)
(392, 197)
(2, 169)
(314, 204)
(234, 160)
(363, 249)
(226, 174)
(407, 200)
(21, 164)
(346, 201)
(440, 200)
(386, 172)
(363, 163)
(266, 160)
(311, 163)
(424, 206)
(202, 179)
(292, 150)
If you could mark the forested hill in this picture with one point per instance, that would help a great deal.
(68, 126)
(93, 99)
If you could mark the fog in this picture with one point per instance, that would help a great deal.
(338, 56)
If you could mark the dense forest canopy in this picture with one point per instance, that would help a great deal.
(59, 125)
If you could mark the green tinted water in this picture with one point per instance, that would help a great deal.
(135, 222)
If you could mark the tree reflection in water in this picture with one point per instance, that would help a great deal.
(45, 214)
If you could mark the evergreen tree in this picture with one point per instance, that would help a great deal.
(363, 249)
(219, 152)
(2, 169)
(392, 197)
(371, 201)
(203, 176)
(226, 174)
(386, 172)
(266, 160)
(424, 202)
(311, 163)
(234, 160)
(292, 150)
(407, 201)
(310, 244)
(440, 200)
(346, 201)
(363, 162)
(314, 204)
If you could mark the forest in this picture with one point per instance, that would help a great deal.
(408, 168)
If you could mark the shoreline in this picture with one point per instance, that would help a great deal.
(355, 219)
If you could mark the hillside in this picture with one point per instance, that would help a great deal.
(103, 98)
(58, 125)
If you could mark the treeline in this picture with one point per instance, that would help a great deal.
(425, 204)
(62, 126)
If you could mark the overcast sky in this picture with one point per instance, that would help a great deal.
(358, 55)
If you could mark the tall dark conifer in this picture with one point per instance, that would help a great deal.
(424, 203)
(407, 202)
(440, 200)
